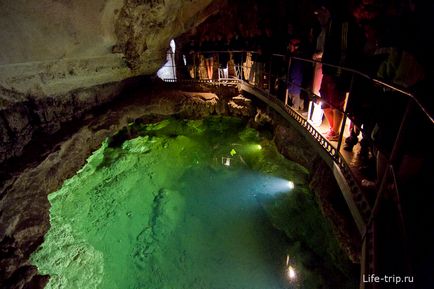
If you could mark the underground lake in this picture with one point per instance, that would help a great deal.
(179, 203)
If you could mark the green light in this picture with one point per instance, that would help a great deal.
(150, 213)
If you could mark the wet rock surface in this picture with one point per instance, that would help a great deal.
(21, 115)
(323, 184)
(241, 106)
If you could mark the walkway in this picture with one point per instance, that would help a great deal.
(363, 204)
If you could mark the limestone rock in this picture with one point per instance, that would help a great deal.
(262, 118)
(144, 28)
(52, 47)
(59, 59)
(199, 104)
(21, 115)
(334, 208)
(327, 192)
(288, 142)
(240, 106)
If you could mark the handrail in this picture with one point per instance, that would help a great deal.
(347, 69)
(412, 96)
(351, 70)
(367, 212)
(334, 66)
(387, 85)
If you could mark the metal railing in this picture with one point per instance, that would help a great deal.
(267, 74)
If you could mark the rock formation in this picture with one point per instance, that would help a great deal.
(61, 58)
(52, 47)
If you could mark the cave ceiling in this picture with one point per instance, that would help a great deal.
(50, 47)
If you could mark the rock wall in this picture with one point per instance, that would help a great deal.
(50, 47)
(23, 116)
(144, 28)
(322, 182)
(59, 59)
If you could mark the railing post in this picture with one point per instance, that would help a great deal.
(389, 171)
(172, 54)
(345, 116)
(241, 67)
(194, 65)
(392, 158)
(287, 81)
(399, 137)
(269, 76)
(218, 67)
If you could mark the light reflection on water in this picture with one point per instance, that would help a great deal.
(164, 212)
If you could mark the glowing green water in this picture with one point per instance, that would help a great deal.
(163, 211)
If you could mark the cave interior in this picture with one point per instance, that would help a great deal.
(80, 92)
